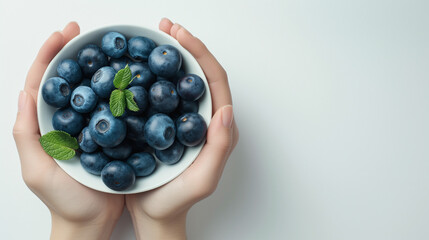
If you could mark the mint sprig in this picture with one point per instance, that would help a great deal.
(59, 145)
(121, 97)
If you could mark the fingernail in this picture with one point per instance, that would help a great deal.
(186, 30)
(227, 116)
(22, 100)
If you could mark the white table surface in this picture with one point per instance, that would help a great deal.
(331, 98)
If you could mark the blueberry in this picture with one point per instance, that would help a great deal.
(119, 63)
(90, 58)
(165, 61)
(135, 126)
(69, 70)
(114, 44)
(177, 77)
(85, 82)
(143, 76)
(159, 131)
(86, 143)
(56, 92)
(101, 106)
(143, 163)
(106, 130)
(94, 162)
(102, 81)
(83, 99)
(190, 87)
(159, 78)
(151, 111)
(191, 129)
(187, 106)
(171, 155)
(118, 175)
(68, 120)
(140, 145)
(140, 47)
(163, 96)
(122, 151)
(140, 97)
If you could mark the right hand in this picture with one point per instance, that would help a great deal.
(169, 204)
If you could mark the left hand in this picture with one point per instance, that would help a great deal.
(75, 209)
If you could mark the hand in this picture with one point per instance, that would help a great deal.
(161, 213)
(77, 211)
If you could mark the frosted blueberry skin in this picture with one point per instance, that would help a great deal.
(171, 155)
(150, 111)
(102, 82)
(143, 163)
(141, 146)
(85, 82)
(122, 151)
(118, 175)
(85, 141)
(177, 77)
(106, 130)
(141, 98)
(187, 106)
(191, 129)
(91, 58)
(173, 79)
(83, 99)
(190, 87)
(165, 61)
(145, 77)
(119, 63)
(135, 127)
(140, 47)
(158, 78)
(163, 97)
(56, 92)
(68, 120)
(159, 131)
(94, 162)
(114, 44)
(101, 106)
(69, 70)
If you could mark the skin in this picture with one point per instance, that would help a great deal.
(157, 214)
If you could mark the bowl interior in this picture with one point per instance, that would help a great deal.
(163, 173)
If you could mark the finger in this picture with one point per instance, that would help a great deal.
(70, 31)
(48, 51)
(165, 25)
(26, 135)
(207, 169)
(174, 29)
(216, 75)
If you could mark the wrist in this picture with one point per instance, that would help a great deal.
(68, 229)
(154, 229)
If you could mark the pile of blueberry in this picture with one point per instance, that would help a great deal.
(123, 148)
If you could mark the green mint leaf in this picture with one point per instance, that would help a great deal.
(131, 104)
(59, 145)
(117, 103)
(122, 78)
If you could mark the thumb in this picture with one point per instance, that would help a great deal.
(207, 168)
(26, 135)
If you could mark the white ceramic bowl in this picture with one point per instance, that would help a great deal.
(164, 173)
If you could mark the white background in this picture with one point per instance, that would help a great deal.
(331, 98)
